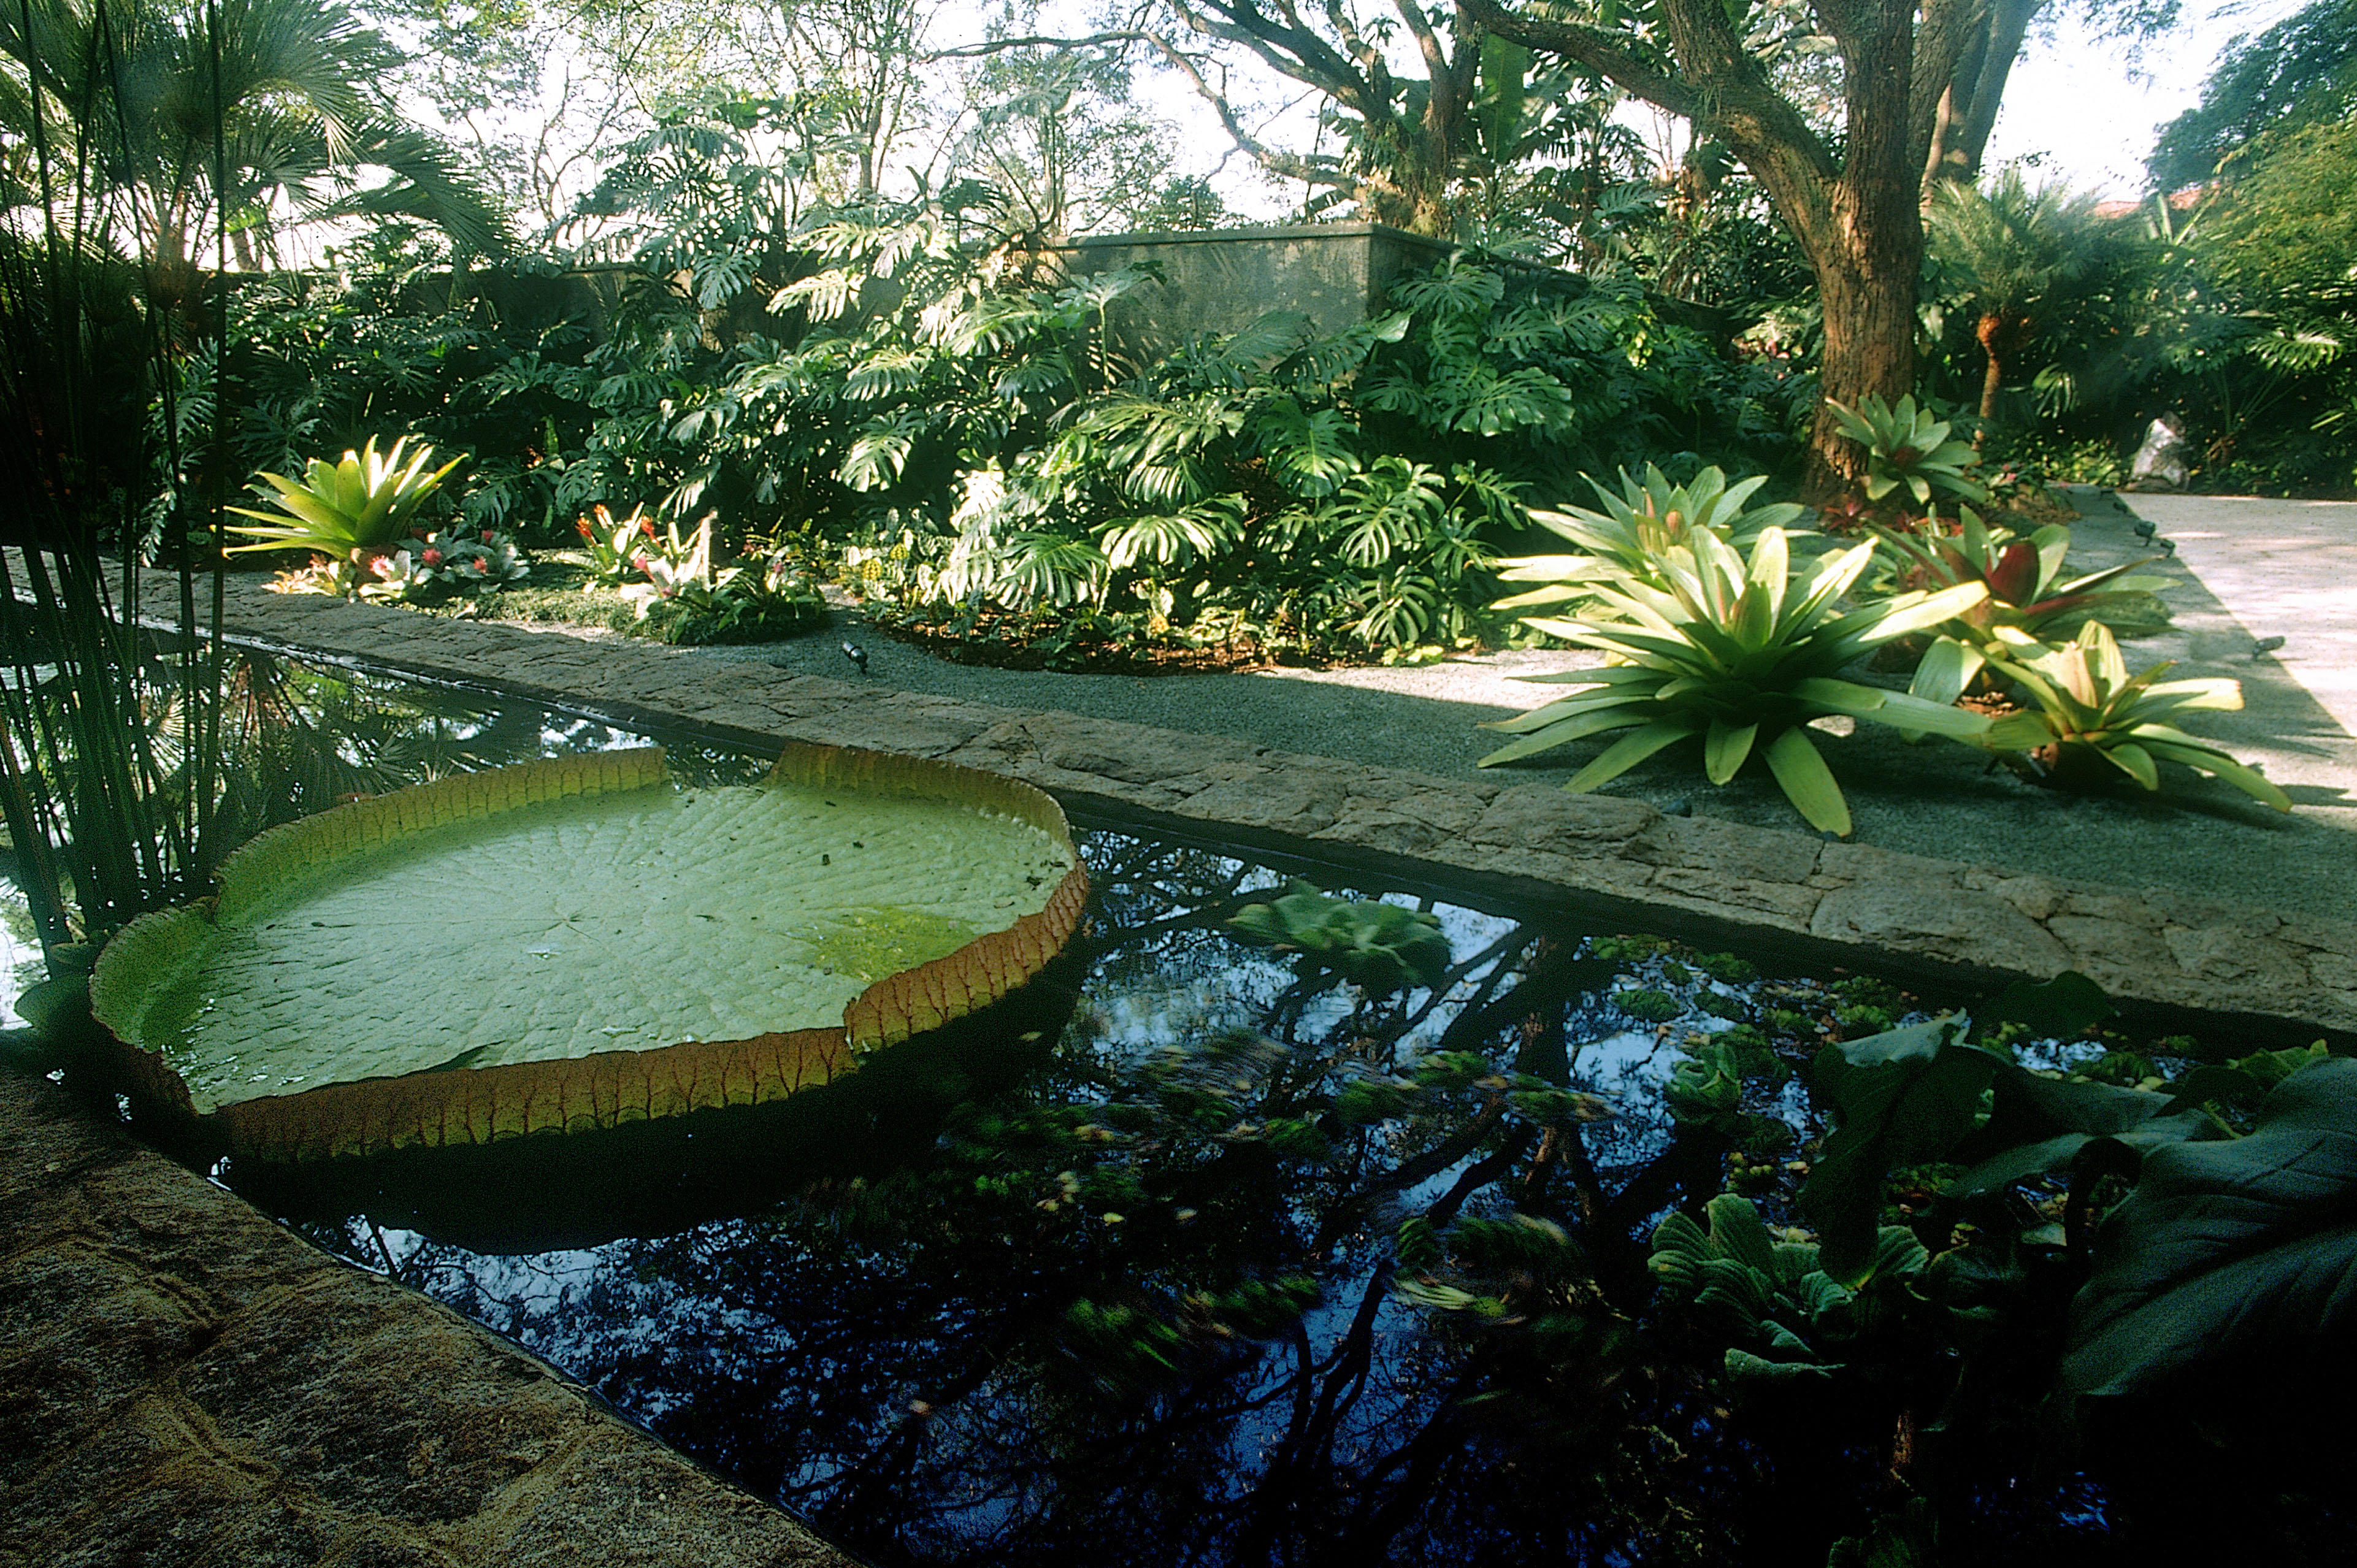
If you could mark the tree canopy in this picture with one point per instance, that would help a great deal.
(2301, 71)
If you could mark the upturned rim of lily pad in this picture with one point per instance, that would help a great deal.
(603, 1089)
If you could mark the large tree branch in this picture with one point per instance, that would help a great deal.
(1975, 86)
(1602, 51)
(1285, 165)
(1294, 52)
(1354, 43)
(1947, 31)
(1721, 88)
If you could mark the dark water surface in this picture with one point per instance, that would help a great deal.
(1199, 1255)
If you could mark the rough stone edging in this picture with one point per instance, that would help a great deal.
(1770, 887)
(182, 1382)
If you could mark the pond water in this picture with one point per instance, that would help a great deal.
(1214, 1257)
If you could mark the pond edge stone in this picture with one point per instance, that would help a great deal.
(1782, 893)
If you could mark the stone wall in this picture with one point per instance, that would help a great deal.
(1335, 273)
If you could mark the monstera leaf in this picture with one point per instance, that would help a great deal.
(578, 943)
(2232, 1245)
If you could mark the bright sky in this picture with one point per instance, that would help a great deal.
(2093, 116)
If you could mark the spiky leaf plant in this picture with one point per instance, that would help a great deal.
(1739, 655)
(344, 511)
(2093, 720)
(1909, 448)
(1636, 526)
(2027, 599)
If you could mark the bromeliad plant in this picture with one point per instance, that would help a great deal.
(1727, 652)
(1908, 447)
(677, 568)
(617, 547)
(2027, 603)
(350, 513)
(1629, 535)
(2093, 720)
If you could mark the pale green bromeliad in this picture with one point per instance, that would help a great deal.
(1738, 654)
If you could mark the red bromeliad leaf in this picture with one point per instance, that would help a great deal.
(2015, 576)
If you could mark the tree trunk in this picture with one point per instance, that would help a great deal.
(1868, 245)
(1856, 210)
(1870, 311)
(1990, 332)
(1968, 106)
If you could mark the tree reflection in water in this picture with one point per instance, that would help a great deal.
(1253, 1268)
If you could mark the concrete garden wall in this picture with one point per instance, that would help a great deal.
(1335, 273)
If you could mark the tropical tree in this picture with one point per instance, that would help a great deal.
(1915, 78)
(2301, 72)
(239, 117)
(1403, 136)
(2004, 253)
(1058, 133)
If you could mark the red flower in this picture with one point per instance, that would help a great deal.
(487, 536)
(432, 557)
(482, 563)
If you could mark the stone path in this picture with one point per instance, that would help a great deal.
(2285, 569)
(1937, 800)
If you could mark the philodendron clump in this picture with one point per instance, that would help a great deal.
(1740, 655)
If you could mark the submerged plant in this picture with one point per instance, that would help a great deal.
(1788, 1316)
(1737, 654)
(2236, 1245)
(2092, 717)
(1380, 947)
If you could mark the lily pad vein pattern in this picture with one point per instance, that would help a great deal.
(593, 923)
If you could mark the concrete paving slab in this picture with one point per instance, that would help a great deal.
(2282, 568)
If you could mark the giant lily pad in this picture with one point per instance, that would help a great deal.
(579, 943)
